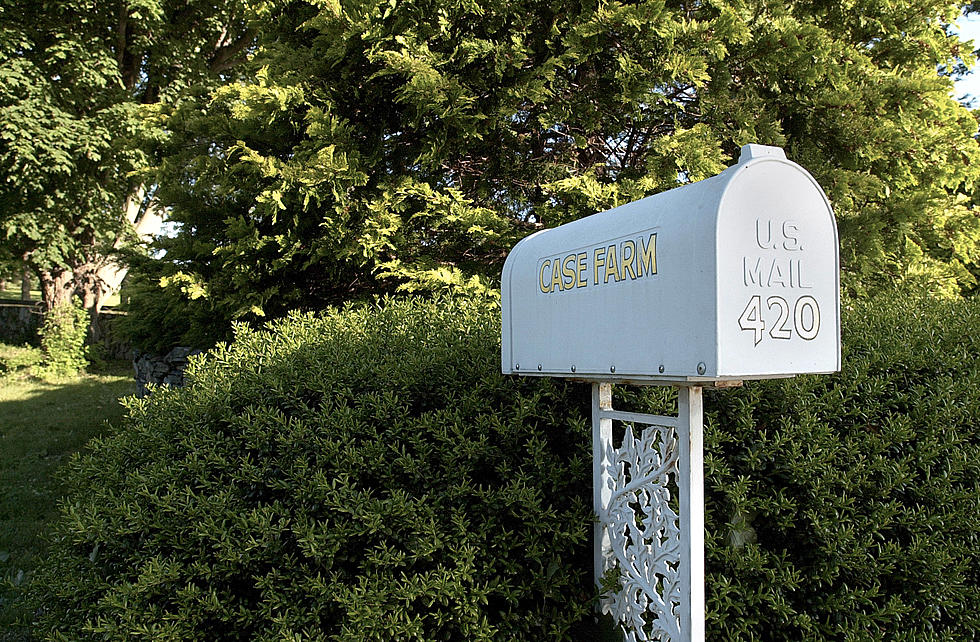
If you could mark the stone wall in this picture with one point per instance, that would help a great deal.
(105, 332)
(167, 370)
(19, 321)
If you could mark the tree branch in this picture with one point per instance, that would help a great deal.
(225, 55)
(122, 26)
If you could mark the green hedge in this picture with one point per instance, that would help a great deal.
(847, 507)
(363, 476)
(369, 475)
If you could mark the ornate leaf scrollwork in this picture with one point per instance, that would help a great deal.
(644, 534)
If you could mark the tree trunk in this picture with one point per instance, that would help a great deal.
(92, 290)
(88, 286)
(25, 285)
(57, 287)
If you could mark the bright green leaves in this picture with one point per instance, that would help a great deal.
(380, 146)
(430, 94)
(874, 124)
(189, 286)
(691, 154)
(433, 224)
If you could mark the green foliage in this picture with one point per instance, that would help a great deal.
(19, 359)
(369, 475)
(156, 322)
(10, 268)
(366, 475)
(96, 356)
(80, 85)
(846, 507)
(59, 120)
(63, 333)
(379, 147)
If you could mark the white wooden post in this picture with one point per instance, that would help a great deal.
(690, 438)
(601, 440)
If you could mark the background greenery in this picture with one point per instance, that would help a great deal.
(316, 152)
(80, 88)
(375, 147)
(369, 475)
(309, 153)
(41, 424)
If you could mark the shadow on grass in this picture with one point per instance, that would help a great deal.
(41, 425)
(111, 368)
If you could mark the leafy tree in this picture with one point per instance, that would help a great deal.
(79, 83)
(382, 146)
(9, 269)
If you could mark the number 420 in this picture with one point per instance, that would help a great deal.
(805, 313)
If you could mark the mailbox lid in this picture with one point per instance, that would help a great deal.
(778, 271)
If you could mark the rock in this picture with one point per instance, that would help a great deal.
(161, 370)
(178, 354)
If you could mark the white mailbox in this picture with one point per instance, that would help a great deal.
(732, 277)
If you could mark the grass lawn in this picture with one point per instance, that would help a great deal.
(12, 291)
(41, 425)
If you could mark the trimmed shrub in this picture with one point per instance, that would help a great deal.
(63, 334)
(847, 507)
(369, 475)
(366, 475)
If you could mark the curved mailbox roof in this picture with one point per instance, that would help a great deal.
(733, 277)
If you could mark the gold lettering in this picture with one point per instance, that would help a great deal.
(632, 258)
(628, 260)
(598, 258)
(611, 266)
(556, 284)
(648, 256)
(568, 271)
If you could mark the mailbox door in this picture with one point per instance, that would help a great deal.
(778, 289)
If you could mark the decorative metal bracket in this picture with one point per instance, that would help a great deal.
(648, 494)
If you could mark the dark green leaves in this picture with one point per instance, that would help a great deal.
(369, 475)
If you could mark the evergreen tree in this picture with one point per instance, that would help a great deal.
(407, 145)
